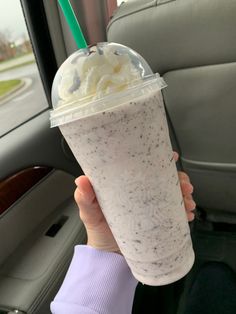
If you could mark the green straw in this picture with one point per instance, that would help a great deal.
(73, 23)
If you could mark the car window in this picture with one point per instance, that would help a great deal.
(21, 91)
(120, 1)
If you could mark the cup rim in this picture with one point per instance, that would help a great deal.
(70, 112)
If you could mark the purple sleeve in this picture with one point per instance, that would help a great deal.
(96, 282)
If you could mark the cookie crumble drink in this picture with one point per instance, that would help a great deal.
(109, 107)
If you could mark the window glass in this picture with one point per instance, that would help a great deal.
(120, 1)
(21, 91)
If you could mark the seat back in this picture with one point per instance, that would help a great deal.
(192, 45)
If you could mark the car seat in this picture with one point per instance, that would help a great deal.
(192, 45)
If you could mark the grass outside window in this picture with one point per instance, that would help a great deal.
(7, 86)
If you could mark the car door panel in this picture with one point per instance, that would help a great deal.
(33, 264)
(34, 143)
(37, 236)
(13, 187)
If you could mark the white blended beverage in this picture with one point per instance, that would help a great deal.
(109, 107)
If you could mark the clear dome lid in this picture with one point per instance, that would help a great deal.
(80, 74)
(95, 79)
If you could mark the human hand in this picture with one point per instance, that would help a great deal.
(187, 190)
(98, 231)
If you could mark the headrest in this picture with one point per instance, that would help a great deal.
(177, 34)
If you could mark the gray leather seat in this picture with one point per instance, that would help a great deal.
(192, 45)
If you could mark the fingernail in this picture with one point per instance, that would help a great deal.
(190, 188)
(194, 204)
(77, 182)
(191, 216)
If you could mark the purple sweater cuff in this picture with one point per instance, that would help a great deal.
(96, 282)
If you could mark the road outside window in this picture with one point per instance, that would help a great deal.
(21, 92)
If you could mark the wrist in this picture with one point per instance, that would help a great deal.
(104, 247)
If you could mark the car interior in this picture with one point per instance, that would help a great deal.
(191, 44)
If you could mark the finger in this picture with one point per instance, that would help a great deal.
(183, 176)
(186, 187)
(189, 203)
(190, 216)
(176, 156)
(90, 211)
(86, 190)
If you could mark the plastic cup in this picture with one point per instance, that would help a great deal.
(121, 141)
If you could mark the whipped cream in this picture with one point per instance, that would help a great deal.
(90, 77)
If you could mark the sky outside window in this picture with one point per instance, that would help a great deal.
(120, 1)
(12, 20)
